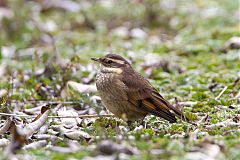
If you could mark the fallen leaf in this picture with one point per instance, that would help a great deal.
(3, 92)
(108, 147)
(77, 135)
(50, 137)
(81, 88)
(37, 144)
(62, 149)
(6, 126)
(17, 141)
(138, 33)
(37, 123)
(8, 51)
(227, 123)
(68, 121)
(4, 142)
(5, 13)
(232, 43)
(120, 31)
(67, 5)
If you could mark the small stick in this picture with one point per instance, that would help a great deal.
(17, 115)
(221, 93)
(83, 116)
(80, 116)
(48, 102)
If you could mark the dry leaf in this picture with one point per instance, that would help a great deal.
(4, 142)
(67, 5)
(81, 88)
(138, 33)
(232, 43)
(60, 128)
(77, 135)
(68, 121)
(227, 123)
(34, 110)
(5, 13)
(37, 123)
(43, 129)
(194, 135)
(102, 157)
(17, 140)
(62, 149)
(6, 126)
(50, 137)
(8, 51)
(3, 92)
(37, 144)
(108, 147)
(120, 31)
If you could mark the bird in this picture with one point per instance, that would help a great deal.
(127, 94)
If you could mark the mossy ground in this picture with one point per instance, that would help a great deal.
(188, 36)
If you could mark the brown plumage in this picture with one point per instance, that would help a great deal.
(129, 95)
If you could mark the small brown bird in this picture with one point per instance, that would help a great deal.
(127, 94)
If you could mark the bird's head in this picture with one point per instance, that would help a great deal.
(113, 62)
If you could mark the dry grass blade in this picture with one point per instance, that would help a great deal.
(14, 115)
(84, 116)
(202, 120)
(80, 116)
(221, 93)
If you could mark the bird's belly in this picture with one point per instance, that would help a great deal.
(116, 106)
(114, 98)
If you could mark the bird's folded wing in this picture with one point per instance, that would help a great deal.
(141, 94)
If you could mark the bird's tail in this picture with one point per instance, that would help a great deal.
(167, 106)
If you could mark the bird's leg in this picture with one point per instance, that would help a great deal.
(144, 123)
(141, 122)
(130, 125)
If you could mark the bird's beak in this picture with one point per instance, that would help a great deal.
(95, 59)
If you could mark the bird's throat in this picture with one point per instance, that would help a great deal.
(111, 70)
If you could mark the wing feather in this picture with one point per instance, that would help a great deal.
(142, 95)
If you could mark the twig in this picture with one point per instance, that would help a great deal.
(202, 120)
(17, 115)
(80, 116)
(48, 102)
(83, 116)
(221, 93)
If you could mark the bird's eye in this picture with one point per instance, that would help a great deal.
(109, 61)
